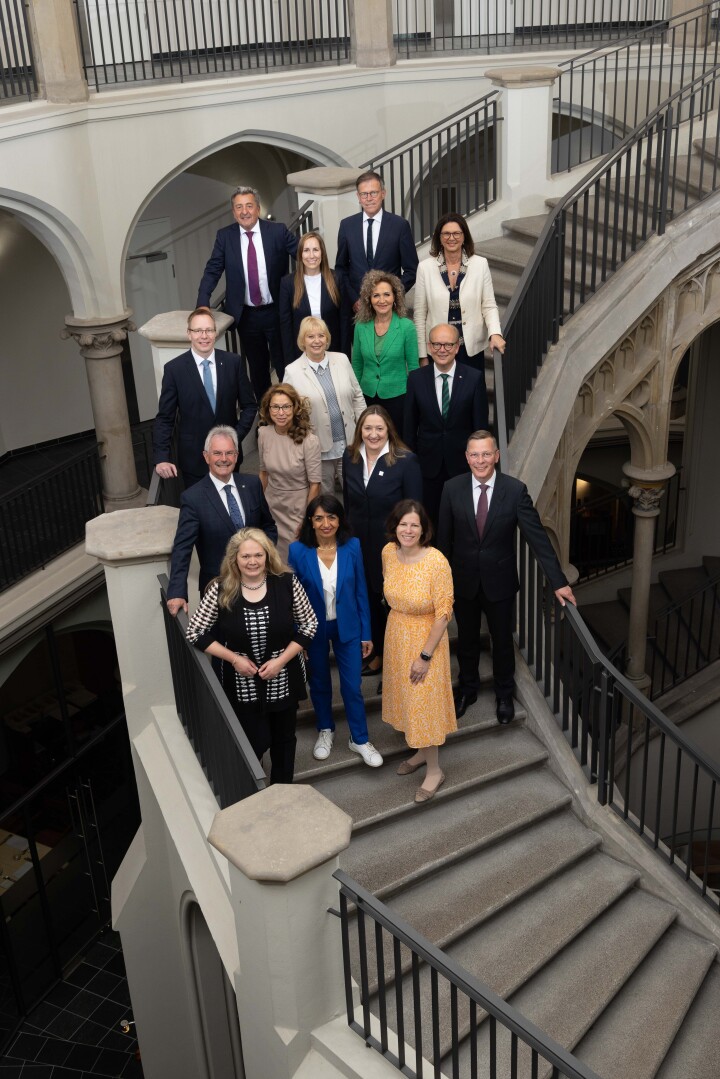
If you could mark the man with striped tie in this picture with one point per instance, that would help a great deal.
(211, 511)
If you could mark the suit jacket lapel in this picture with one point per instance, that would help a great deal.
(221, 372)
(237, 244)
(342, 561)
(469, 504)
(194, 375)
(457, 390)
(393, 331)
(214, 499)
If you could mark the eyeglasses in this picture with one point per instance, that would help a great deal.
(204, 333)
(451, 236)
(365, 195)
(442, 346)
(281, 408)
(487, 455)
(223, 453)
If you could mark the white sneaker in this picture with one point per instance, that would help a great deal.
(323, 745)
(368, 753)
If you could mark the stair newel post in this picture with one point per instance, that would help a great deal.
(665, 180)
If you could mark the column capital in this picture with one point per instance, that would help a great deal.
(325, 180)
(168, 329)
(648, 487)
(522, 78)
(99, 338)
(132, 537)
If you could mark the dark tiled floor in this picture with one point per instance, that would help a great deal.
(75, 1032)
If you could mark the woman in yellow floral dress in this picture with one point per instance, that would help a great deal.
(417, 691)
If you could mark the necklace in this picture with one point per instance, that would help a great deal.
(327, 546)
(254, 587)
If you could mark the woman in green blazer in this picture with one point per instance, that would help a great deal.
(385, 346)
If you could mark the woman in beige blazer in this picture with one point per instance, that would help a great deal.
(320, 376)
(454, 286)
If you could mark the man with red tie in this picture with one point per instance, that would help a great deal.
(253, 255)
(479, 516)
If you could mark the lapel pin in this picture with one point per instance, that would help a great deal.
(381, 473)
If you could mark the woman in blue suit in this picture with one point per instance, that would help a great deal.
(328, 563)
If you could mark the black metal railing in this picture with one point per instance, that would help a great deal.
(42, 519)
(180, 39)
(685, 638)
(630, 195)
(17, 66)
(605, 93)
(221, 745)
(647, 770)
(602, 530)
(450, 166)
(487, 27)
(405, 983)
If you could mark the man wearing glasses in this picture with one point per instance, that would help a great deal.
(212, 511)
(202, 387)
(479, 516)
(444, 403)
(374, 239)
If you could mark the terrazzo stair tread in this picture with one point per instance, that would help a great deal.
(489, 814)
(527, 229)
(608, 621)
(504, 253)
(693, 174)
(539, 925)
(681, 583)
(636, 1030)
(388, 741)
(709, 150)
(449, 904)
(504, 284)
(369, 794)
(696, 1049)
(658, 600)
(600, 961)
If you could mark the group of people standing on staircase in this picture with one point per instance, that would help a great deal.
(378, 512)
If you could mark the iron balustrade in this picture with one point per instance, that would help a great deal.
(685, 638)
(214, 731)
(647, 770)
(450, 166)
(514, 24)
(17, 65)
(42, 519)
(402, 976)
(648, 180)
(594, 107)
(181, 39)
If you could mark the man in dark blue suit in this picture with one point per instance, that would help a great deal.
(374, 239)
(205, 386)
(445, 402)
(211, 511)
(253, 255)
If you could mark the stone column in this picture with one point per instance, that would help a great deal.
(283, 845)
(371, 33)
(525, 134)
(101, 342)
(56, 49)
(332, 190)
(646, 492)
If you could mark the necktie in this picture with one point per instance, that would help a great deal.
(207, 383)
(445, 396)
(234, 510)
(253, 274)
(482, 510)
(369, 243)
(337, 424)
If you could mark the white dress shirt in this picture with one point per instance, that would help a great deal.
(439, 383)
(329, 583)
(377, 220)
(199, 360)
(262, 268)
(313, 287)
(476, 490)
(363, 453)
(219, 485)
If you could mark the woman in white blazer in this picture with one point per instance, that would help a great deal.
(319, 375)
(453, 285)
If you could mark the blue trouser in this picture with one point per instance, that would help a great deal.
(348, 656)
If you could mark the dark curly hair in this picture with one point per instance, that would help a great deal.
(370, 282)
(300, 425)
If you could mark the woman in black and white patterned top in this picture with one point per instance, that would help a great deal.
(256, 618)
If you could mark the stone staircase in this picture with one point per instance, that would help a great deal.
(500, 872)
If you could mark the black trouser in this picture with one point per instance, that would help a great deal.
(501, 623)
(261, 345)
(274, 731)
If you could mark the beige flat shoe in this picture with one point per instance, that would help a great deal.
(423, 795)
(405, 768)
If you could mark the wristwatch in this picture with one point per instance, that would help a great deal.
(425, 656)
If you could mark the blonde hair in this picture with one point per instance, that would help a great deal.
(230, 577)
(311, 323)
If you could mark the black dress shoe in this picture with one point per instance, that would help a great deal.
(505, 710)
(463, 702)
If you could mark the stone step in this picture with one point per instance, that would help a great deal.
(635, 1032)
(696, 1049)
(571, 992)
(505, 253)
(681, 583)
(370, 795)
(488, 814)
(709, 151)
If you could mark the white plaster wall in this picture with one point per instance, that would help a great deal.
(44, 386)
(702, 532)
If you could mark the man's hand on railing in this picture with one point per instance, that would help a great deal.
(175, 605)
(166, 470)
(565, 595)
(498, 341)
